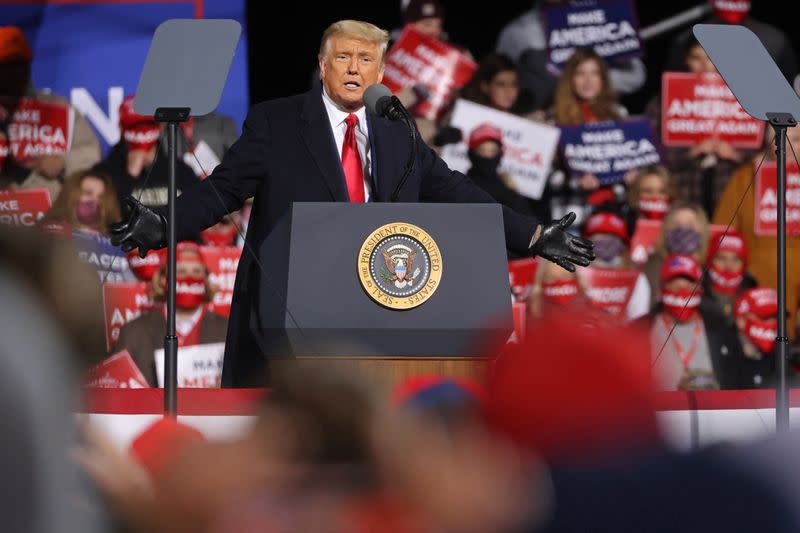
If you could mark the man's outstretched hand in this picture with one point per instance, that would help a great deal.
(140, 227)
(557, 245)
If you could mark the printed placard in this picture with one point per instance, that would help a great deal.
(609, 27)
(123, 302)
(529, 146)
(110, 261)
(36, 128)
(418, 59)
(609, 289)
(643, 241)
(697, 107)
(116, 372)
(766, 200)
(222, 262)
(609, 149)
(199, 366)
(23, 207)
(521, 273)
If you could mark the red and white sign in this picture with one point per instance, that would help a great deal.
(222, 262)
(117, 372)
(37, 128)
(519, 310)
(521, 273)
(122, 302)
(3, 150)
(199, 366)
(418, 59)
(23, 207)
(528, 147)
(696, 107)
(766, 200)
(609, 289)
(643, 242)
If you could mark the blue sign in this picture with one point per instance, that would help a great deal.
(609, 149)
(610, 27)
(93, 52)
(110, 262)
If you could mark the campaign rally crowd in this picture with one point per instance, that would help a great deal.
(678, 197)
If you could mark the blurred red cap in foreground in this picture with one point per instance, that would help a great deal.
(161, 442)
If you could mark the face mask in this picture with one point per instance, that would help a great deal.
(190, 292)
(653, 207)
(675, 301)
(684, 241)
(761, 333)
(731, 11)
(725, 282)
(88, 212)
(608, 248)
(219, 238)
(560, 292)
(144, 269)
(486, 166)
(142, 136)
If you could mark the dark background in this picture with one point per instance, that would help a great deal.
(284, 36)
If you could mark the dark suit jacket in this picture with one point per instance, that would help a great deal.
(287, 154)
(145, 334)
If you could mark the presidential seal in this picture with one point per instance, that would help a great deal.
(399, 266)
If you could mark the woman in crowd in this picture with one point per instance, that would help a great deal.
(649, 195)
(194, 323)
(555, 289)
(496, 84)
(88, 202)
(727, 271)
(684, 231)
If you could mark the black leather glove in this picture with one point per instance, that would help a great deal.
(447, 135)
(141, 227)
(562, 248)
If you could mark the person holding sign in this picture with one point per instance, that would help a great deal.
(47, 138)
(750, 207)
(194, 323)
(322, 146)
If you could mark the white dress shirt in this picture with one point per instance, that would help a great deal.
(336, 117)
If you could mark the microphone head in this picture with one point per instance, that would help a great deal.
(373, 95)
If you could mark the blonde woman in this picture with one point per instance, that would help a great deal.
(88, 202)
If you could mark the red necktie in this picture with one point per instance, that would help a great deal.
(351, 161)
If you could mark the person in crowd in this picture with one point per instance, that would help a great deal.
(555, 290)
(650, 195)
(524, 40)
(329, 157)
(693, 347)
(756, 315)
(194, 323)
(495, 84)
(144, 268)
(684, 231)
(223, 233)
(88, 203)
(45, 171)
(776, 42)
(425, 16)
(701, 171)
(610, 235)
(136, 166)
(727, 270)
(739, 207)
(485, 152)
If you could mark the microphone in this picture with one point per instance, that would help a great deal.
(380, 101)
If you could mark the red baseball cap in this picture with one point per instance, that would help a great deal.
(485, 132)
(14, 46)
(761, 301)
(732, 242)
(128, 117)
(680, 265)
(606, 223)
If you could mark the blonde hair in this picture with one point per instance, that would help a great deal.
(668, 224)
(63, 209)
(537, 289)
(355, 29)
(634, 192)
(566, 103)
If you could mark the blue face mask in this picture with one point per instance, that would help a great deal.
(608, 247)
(684, 241)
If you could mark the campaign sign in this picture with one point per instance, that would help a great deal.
(643, 241)
(110, 261)
(519, 311)
(117, 372)
(123, 302)
(696, 107)
(36, 128)
(3, 150)
(609, 289)
(418, 59)
(610, 27)
(766, 199)
(23, 207)
(529, 147)
(199, 366)
(222, 262)
(609, 149)
(521, 273)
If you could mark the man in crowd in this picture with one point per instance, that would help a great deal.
(324, 146)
